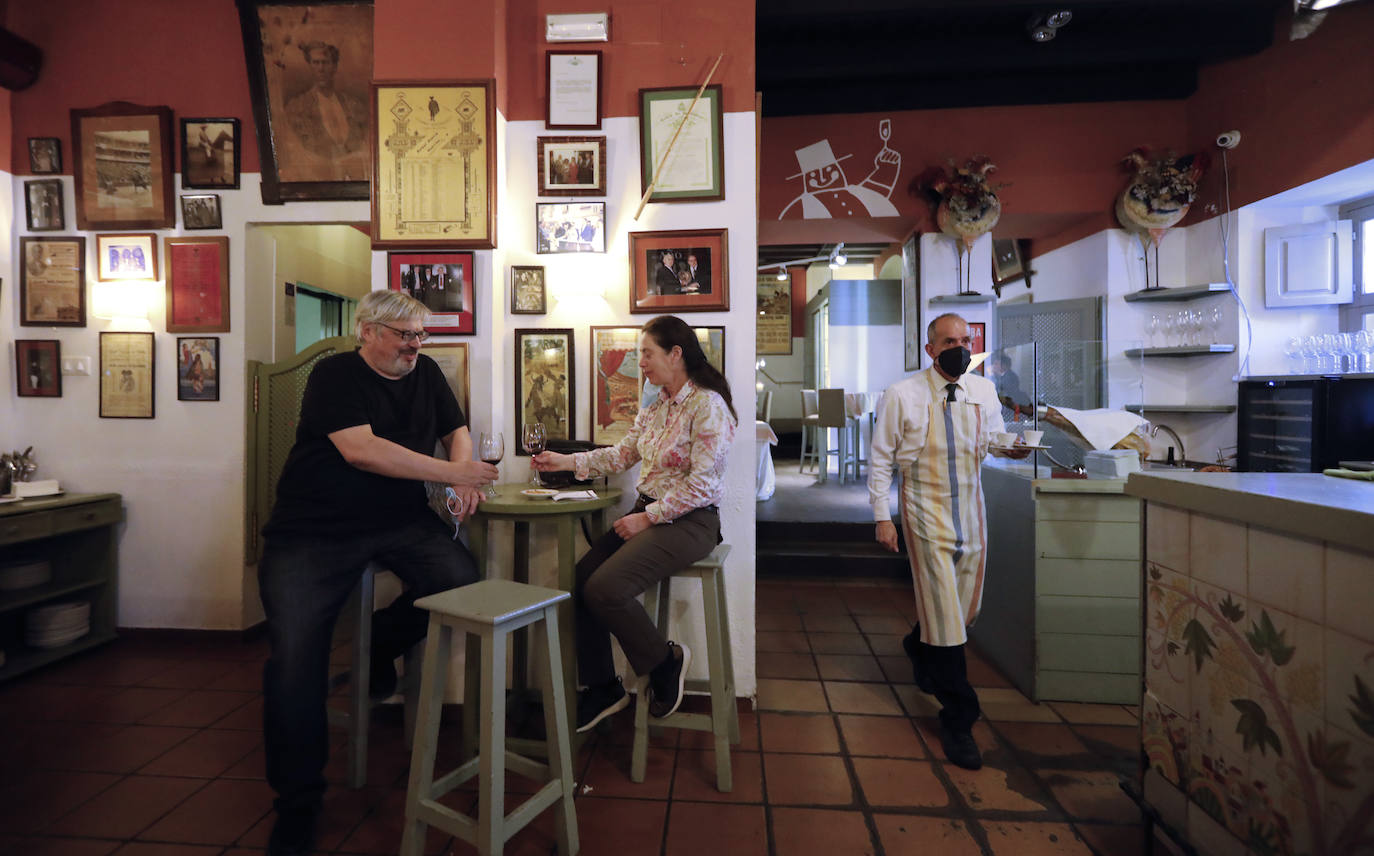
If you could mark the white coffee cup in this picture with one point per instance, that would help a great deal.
(1003, 438)
(1032, 438)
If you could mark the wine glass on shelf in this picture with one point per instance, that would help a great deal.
(1214, 321)
(491, 448)
(534, 439)
(1152, 330)
(1294, 352)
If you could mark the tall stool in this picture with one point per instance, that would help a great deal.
(488, 611)
(810, 427)
(723, 720)
(834, 415)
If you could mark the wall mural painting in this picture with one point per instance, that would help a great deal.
(827, 193)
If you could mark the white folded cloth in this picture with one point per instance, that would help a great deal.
(1102, 428)
(764, 431)
(46, 487)
(575, 494)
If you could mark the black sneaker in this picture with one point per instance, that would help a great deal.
(596, 703)
(961, 749)
(667, 679)
(292, 835)
(909, 643)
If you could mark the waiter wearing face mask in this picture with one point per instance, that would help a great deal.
(935, 428)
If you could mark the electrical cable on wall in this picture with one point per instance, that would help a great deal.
(1229, 141)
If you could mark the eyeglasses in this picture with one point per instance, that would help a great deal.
(407, 336)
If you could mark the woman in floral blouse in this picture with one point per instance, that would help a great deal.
(682, 440)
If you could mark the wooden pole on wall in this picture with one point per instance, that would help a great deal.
(661, 161)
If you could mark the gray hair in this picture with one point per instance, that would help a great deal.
(384, 307)
(930, 328)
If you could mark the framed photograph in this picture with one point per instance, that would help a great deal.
(452, 358)
(43, 206)
(210, 153)
(434, 154)
(712, 340)
(197, 284)
(38, 363)
(122, 160)
(574, 227)
(977, 334)
(527, 293)
(45, 155)
(197, 368)
(544, 381)
(441, 281)
(126, 375)
(130, 256)
(52, 282)
(308, 61)
(201, 211)
(1009, 262)
(913, 334)
(687, 166)
(773, 335)
(573, 95)
(615, 383)
(572, 166)
(683, 271)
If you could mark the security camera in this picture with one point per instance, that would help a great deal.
(1228, 139)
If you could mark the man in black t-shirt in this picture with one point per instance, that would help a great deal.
(352, 491)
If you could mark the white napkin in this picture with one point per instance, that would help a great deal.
(1102, 428)
(47, 487)
(575, 494)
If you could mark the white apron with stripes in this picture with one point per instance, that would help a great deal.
(944, 521)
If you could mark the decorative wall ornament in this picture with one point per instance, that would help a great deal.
(1158, 197)
(966, 205)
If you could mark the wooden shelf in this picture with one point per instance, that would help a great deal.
(36, 594)
(961, 299)
(1181, 408)
(1187, 292)
(1183, 351)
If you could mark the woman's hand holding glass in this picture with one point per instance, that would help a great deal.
(533, 438)
(552, 462)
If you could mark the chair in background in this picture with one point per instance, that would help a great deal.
(763, 410)
(810, 428)
(832, 414)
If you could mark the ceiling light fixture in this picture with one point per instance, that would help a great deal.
(1058, 19)
(837, 257)
(1043, 27)
(782, 274)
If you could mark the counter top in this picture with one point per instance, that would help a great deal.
(1116, 486)
(1309, 505)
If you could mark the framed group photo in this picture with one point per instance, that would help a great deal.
(573, 91)
(680, 271)
(126, 376)
(452, 358)
(123, 257)
(574, 227)
(712, 341)
(572, 166)
(443, 282)
(52, 282)
(122, 162)
(45, 155)
(201, 211)
(528, 295)
(686, 165)
(44, 210)
(39, 366)
(197, 368)
(615, 383)
(544, 381)
(197, 284)
(210, 153)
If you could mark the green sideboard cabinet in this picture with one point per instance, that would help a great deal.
(76, 533)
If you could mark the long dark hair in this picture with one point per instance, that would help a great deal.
(670, 330)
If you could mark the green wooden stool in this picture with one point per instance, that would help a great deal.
(723, 720)
(489, 611)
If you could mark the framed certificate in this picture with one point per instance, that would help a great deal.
(52, 282)
(126, 375)
(573, 96)
(693, 169)
(198, 284)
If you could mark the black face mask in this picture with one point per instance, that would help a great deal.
(954, 361)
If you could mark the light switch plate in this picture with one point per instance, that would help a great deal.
(76, 366)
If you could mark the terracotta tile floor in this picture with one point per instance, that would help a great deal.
(145, 748)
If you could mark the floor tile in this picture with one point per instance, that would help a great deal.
(133, 704)
(915, 702)
(609, 773)
(1093, 714)
(218, 814)
(127, 750)
(776, 664)
(792, 695)
(889, 645)
(785, 641)
(206, 754)
(101, 668)
(694, 777)
(885, 623)
(862, 698)
(29, 801)
(1018, 712)
(145, 848)
(191, 674)
(246, 718)
(806, 780)
(890, 782)
(1038, 741)
(983, 674)
(896, 670)
(620, 827)
(380, 831)
(1110, 739)
(838, 643)
(1034, 839)
(804, 830)
(1090, 795)
(821, 599)
(748, 735)
(886, 736)
(788, 732)
(199, 708)
(697, 828)
(829, 623)
(908, 835)
(1113, 840)
(849, 667)
(128, 807)
(780, 621)
(67, 847)
(877, 600)
(996, 789)
(242, 677)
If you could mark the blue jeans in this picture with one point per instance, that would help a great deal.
(304, 582)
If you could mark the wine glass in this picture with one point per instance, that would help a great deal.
(1294, 353)
(1214, 319)
(1364, 344)
(1152, 329)
(491, 448)
(534, 439)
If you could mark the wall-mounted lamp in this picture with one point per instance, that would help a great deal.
(837, 257)
(1045, 26)
(586, 27)
(122, 300)
(782, 274)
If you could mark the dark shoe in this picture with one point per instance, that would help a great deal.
(596, 703)
(381, 682)
(292, 835)
(666, 681)
(961, 749)
(909, 643)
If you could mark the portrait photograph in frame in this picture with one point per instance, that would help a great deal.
(544, 381)
(197, 284)
(572, 227)
(615, 383)
(126, 376)
(52, 282)
(38, 363)
(572, 166)
(694, 169)
(122, 162)
(712, 341)
(197, 368)
(1009, 263)
(45, 155)
(434, 155)
(130, 256)
(528, 295)
(210, 153)
(572, 94)
(452, 358)
(773, 333)
(201, 211)
(679, 271)
(44, 208)
(301, 55)
(443, 282)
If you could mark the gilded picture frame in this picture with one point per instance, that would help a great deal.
(122, 163)
(545, 381)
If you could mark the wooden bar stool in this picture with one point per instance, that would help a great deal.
(488, 612)
(723, 720)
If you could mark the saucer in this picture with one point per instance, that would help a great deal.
(539, 493)
(1018, 447)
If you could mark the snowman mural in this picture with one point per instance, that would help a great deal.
(826, 193)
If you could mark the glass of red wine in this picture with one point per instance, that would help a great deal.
(491, 448)
(534, 439)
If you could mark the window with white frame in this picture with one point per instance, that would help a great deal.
(1359, 315)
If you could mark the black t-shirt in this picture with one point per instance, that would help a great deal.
(322, 494)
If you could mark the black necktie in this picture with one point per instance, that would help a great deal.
(950, 387)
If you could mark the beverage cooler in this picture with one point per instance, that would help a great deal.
(1304, 423)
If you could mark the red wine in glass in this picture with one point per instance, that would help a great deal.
(491, 448)
(534, 438)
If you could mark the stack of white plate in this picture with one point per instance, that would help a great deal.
(58, 624)
(24, 575)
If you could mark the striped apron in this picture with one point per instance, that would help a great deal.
(945, 521)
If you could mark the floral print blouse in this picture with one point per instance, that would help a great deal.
(683, 441)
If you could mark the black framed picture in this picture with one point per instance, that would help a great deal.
(201, 211)
(210, 153)
(197, 368)
(573, 227)
(45, 155)
(44, 209)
